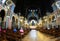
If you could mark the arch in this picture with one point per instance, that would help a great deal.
(2, 14)
(33, 18)
(13, 19)
(13, 22)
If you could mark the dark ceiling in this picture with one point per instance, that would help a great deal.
(43, 5)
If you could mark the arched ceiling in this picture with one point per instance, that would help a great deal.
(44, 5)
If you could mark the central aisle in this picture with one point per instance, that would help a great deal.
(38, 36)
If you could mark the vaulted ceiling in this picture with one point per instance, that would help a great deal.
(43, 5)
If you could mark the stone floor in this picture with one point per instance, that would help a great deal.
(38, 36)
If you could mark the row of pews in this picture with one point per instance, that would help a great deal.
(54, 31)
(10, 35)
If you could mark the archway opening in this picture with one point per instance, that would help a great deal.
(2, 14)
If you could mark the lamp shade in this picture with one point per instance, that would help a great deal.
(14, 30)
(21, 30)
